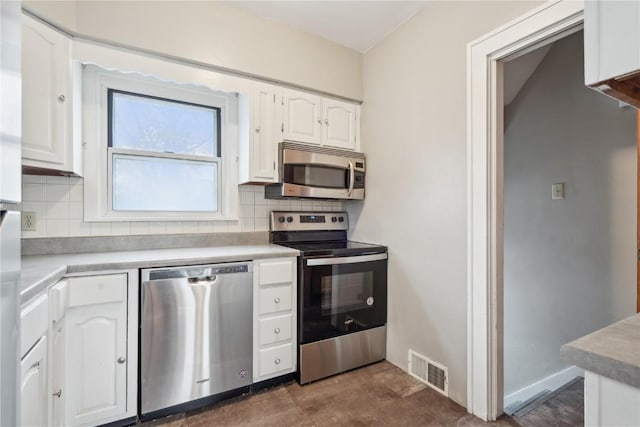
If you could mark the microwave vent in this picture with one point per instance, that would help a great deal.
(429, 372)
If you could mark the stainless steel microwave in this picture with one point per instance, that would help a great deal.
(320, 173)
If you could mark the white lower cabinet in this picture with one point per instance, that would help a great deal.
(274, 318)
(33, 386)
(94, 349)
(34, 396)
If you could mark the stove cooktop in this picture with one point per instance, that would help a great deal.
(336, 248)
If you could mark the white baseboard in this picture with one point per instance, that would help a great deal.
(551, 383)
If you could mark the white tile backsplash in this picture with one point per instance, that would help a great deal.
(58, 202)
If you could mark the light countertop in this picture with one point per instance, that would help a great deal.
(41, 271)
(613, 351)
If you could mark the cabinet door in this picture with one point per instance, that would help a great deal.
(264, 141)
(33, 386)
(46, 97)
(339, 124)
(302, 117)
(90, 348)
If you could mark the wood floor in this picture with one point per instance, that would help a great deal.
(376, 395)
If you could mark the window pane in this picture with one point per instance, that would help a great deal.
(143, 123)
(166, 185)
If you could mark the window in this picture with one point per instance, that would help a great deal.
(163, 150)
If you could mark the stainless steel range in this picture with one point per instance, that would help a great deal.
(342, 293)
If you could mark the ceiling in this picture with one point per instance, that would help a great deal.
(358, 25)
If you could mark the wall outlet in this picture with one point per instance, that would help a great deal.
(28, 221)
(557, 191)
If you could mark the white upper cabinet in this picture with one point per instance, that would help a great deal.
(259, 147)
(339, 124)
(302, 117)
(313, 119)
(47, 100)
(612, 48)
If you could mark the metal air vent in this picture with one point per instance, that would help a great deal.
(429, 372)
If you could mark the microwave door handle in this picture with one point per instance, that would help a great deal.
(352, 178)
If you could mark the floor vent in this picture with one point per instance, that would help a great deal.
(429, 372)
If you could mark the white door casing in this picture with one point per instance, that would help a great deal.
(542, 25)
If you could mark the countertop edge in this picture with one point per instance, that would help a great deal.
(33, 291)
(613, 351)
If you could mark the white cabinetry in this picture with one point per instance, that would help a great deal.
(609, 403)
(48, 95)
(34, 396)
(339, 124)
(312, 119)
(259, 147)
(274, 319)
(612, 48)
(94, 348)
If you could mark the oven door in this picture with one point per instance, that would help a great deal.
(340, 295)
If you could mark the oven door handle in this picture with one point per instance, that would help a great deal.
(345, 260)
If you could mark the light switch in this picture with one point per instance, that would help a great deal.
(557, 191)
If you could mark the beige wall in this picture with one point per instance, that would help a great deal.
(414, 134)
(213, 33)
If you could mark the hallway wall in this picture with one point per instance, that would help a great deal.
(570, 264)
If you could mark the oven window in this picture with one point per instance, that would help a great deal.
(316, 176)
(338, 299)
(345, 292)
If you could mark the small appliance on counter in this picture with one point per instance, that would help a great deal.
(318, 173)
(342, 293)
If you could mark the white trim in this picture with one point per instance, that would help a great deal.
(97, 192)
(484, 191)
(551, 383)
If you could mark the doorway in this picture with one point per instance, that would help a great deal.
(568, 254)
(549, 22)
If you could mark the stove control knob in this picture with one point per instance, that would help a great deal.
(334, 219)
(289, 219)
(341, 219)
(281, 219)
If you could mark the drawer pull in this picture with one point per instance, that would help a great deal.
(276, 300)
(58, 393)
(276, 330)
(277, 361)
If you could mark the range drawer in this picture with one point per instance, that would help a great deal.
(275, 299)
(276, 359)
(275, 329)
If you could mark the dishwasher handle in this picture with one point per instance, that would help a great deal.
(196, 273)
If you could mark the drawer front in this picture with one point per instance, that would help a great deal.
(34, 323)
(276, 359)
(273, 300)
(273, 272)
(97, 289)
(275, 329)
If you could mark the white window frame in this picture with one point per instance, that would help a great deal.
(98, 190)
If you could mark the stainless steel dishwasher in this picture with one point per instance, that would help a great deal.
(195, 333)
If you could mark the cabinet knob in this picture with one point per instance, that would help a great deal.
(121, 360)
(326, 122)
(276, 330)
(276, 300)
(61, 98)
(319, 121)
(277, 361)
(257, 130)
(58, 393)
